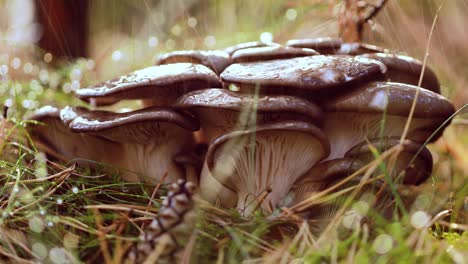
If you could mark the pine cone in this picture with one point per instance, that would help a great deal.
(164, 237)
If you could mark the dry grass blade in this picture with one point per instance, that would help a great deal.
(102, 237)
(60, 181)
(57, 175)
(421, 76)
(142, 210)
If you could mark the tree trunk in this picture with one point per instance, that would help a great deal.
(64, 27)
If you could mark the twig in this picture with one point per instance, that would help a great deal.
(354, 17)
(375, 10)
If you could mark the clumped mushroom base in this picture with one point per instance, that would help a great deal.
(298, 118)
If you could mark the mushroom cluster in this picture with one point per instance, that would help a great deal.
(257, 120)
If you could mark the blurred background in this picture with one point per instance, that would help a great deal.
(122, 35)
(50, 48)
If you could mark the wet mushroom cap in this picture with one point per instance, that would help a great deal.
(56, 140)
(270, 53)
(221, 110)
(253, 44)
(50, 116)
(82, 120)
(394, 99)
(329, 46)
(217, 60)
(359, 48)
(226, 99)
(314, 76)
(169, 80)
(414, 159)
(44, 113)
(405, 69)
(324, 45)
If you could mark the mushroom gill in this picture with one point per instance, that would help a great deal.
(265, 159)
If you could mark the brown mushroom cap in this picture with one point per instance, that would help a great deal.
(221, 110)
(313, 77)
(273, 155)
(381, 110)
(359, 48)
(253, 44)
(217, 60)
(80, 119)
(331, 170)
(225, 99)
(329, 46)
(395, 99)
(163, 84)
(270, 53)
(322, 175)
(414, 160)
(324, 45)
(405, 69)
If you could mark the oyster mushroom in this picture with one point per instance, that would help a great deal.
(322, 175)
(221, 110)
(358, 48)
(325, 45)
(268, 157)
(246, 45)
(217, 60)
(334, 46)
(54, 137)
(315, 77)
(157, 85)
(415, 160)
(381, 110)
(142, 143)
(405, 69)
(270, 53)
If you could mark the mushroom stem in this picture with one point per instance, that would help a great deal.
(191, 174)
